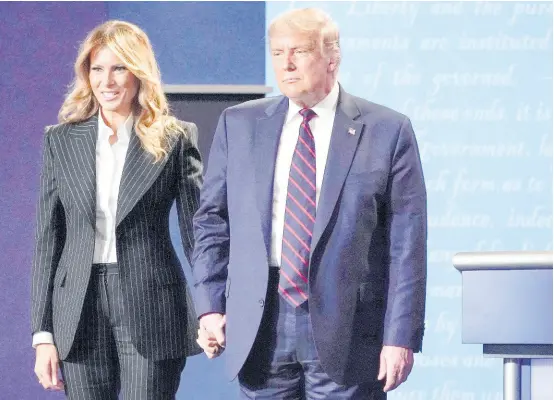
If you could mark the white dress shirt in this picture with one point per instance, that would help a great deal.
(321, 127)
(109, 167)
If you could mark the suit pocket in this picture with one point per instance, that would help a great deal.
(370, 299)
(370, 312)
(166, 276)
(59, 279)
(373, 181)
(227, 287)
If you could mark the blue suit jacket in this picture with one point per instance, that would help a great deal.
(367, 272)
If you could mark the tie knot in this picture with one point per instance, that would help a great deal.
(307, 114)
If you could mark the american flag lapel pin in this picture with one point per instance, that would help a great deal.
(352, 131)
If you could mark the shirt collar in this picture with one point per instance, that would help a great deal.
(327, 106)
(123, 132)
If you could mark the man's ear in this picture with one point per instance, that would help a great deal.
(333, 64)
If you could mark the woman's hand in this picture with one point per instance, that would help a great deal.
(46, 367)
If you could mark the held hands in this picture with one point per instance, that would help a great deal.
(395, 365)
(211, 335)
(46, 367)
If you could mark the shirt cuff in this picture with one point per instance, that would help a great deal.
(42, 338)
(208, 313)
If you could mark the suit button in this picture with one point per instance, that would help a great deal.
(261, 302)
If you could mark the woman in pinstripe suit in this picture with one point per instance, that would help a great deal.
(110, 305)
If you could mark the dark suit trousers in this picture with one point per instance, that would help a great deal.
(103, 361)
(284, 364)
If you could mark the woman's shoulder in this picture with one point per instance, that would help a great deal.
(66, 127)
(56, 130)
(188, 126)
(190, 130)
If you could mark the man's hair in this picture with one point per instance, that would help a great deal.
(312, 21)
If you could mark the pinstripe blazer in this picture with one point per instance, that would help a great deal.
(162, 320)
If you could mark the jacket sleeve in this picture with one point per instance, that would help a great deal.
(190, 181)
(407, 224)
(49, 242)
(211, 229)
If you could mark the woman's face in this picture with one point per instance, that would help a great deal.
(113, 85)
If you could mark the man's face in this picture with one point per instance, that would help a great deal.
(303, 73)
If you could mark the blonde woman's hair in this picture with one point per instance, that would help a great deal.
(153, 122)
(314, 22)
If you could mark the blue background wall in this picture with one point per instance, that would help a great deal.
(482, 115)
(202, 42)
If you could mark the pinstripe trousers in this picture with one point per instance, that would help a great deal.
(103, 361)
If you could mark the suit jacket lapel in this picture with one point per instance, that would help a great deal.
(345, 137)
(82, 166)
(139, 173)
(266, 142)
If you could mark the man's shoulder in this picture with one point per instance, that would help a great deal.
(377, 111)
(257, 107)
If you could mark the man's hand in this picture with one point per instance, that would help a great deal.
(211, 335)
(395, 365)
(46, 367)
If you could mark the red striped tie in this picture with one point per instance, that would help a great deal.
(299, 216)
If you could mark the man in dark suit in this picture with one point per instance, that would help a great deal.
(310, 253)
